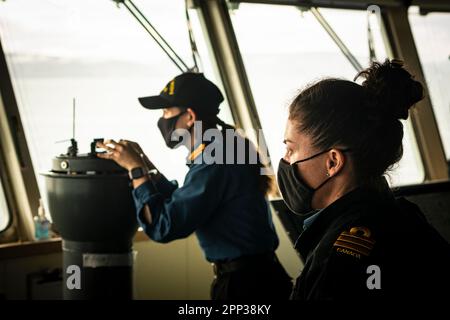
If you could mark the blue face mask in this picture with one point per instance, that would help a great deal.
(296, 193)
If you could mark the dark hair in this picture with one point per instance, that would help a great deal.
(363, 118)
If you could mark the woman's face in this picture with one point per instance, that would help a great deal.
(298, 147)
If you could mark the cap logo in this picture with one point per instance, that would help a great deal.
(169, 88)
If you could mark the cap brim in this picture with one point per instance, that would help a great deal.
(154, 102)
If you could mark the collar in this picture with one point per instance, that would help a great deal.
(196, 152)
(199, 147)
(308, 221)
(347, 204)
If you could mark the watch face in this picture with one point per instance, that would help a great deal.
(136, 173)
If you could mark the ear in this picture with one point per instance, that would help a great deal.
(192, 117)
(335, 162)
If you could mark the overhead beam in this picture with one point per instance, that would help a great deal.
(338, 4)
(425, 5)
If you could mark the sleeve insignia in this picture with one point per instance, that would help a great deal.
(356, 242)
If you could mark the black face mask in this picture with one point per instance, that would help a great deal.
(296, 194)
(167, 127)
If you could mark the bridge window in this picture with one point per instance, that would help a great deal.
(98, 54)
(433, 45)
(284, 49)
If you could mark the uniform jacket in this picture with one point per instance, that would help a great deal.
(369, 245)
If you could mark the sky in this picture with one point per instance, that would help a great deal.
(87, 21)
(91, 29)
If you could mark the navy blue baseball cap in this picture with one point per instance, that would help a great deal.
(188, 90)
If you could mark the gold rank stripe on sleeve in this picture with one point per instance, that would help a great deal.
(197, 152)
(353, 247)
(355, 241)
(358, 240)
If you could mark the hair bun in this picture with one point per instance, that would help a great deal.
(391, 88)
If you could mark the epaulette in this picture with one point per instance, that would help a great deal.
(356, 242)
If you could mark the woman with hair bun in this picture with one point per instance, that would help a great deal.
(358, 242)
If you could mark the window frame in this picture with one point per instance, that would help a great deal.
(438, 102)
(6, 195)
(400, 43)
(22, 191)
(237, 89)
(394, 19)
(19, 180)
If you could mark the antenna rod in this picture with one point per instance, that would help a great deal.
(73, 119)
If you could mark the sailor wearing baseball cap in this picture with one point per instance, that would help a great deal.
(223, 204)
(194, 95)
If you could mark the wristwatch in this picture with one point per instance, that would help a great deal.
(136, 173)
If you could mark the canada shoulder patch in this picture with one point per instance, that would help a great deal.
(356, 242)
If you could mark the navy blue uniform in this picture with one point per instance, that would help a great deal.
(369, 245)
(225, 208)
(220, 203)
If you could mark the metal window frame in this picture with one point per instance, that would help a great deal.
(425, 5)
(20, 183)
(399, 42)
(219, 33)
(337, 4)
(7, 195)
(20, 179)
